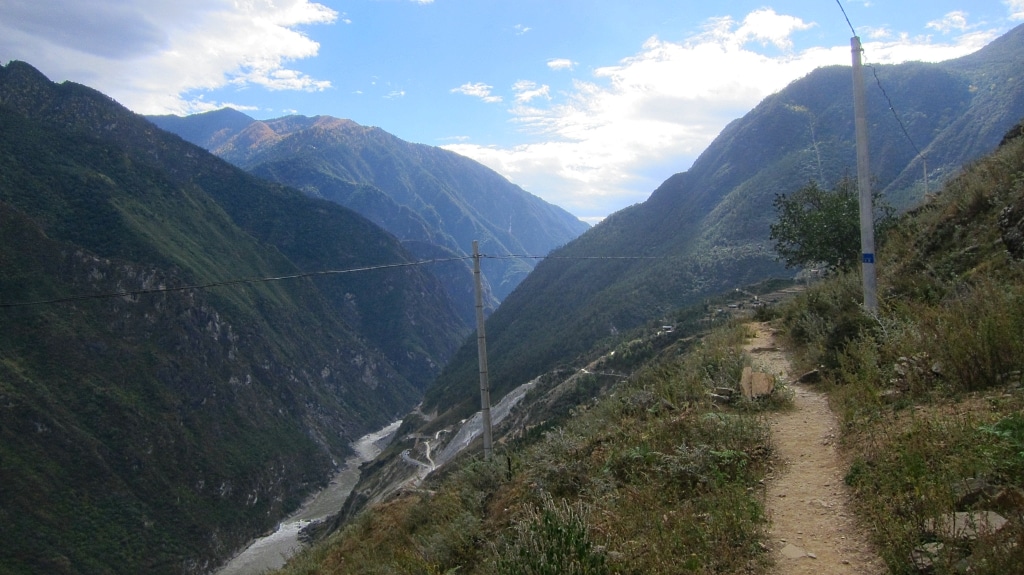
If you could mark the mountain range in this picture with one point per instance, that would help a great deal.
(187, 347)
(435, 201)
(185, 353)
(706, 231)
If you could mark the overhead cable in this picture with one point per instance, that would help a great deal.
(130, 293)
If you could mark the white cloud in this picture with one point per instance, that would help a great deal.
(201, 104)
(479, 90)
(956, 20)
(906, 48)
(619, 133)
(1016, 9)
(150, 55)
(561, 64)
(526, 90)
(520, 29)
(876, 33)
(764, 26)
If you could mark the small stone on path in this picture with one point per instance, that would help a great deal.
(791, 551)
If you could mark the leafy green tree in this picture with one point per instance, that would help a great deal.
(819, 227)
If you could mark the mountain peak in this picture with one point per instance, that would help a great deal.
(1004, 49)
(711, 224)
(258, 387)
(17, 68)
(216, 126)
(430, 198)
(26, 85)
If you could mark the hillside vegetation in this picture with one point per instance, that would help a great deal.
(435, 201)
(706, 230)
(158, 432)
(930, 392)
(652, 477)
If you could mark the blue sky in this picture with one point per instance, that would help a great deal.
(587, 104)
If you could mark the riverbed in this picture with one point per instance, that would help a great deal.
(271, 551)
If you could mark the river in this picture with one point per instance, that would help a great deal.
(271, 551)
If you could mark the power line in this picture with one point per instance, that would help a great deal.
(226, 283)
(847, 17)
(881, 88)
(130, 293)
(528, 257)
(892, 109)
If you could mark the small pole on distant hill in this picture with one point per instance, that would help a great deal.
(481, 348)
(924, 159)
(867, 215)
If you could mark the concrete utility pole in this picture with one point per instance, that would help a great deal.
(481, 349)
(867, 214)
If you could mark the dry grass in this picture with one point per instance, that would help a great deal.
(651, 479)
(929, 391)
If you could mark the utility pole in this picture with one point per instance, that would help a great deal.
(867, 214)
(481, 349)
(924, 160)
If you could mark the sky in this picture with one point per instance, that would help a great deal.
(589, 104)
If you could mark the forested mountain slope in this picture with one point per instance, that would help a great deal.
(650, 461)
(706, 230)
(434, 200)
(157, 432)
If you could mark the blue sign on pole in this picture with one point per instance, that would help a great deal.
(868, 258)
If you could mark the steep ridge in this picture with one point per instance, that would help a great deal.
(900, 452)
(426, 196)
(157, 432)
(706, 230)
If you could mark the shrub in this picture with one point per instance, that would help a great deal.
(552, 541)
(825, 319)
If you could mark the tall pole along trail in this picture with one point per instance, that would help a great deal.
(481, 348)
(867, 216)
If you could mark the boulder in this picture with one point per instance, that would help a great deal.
(972, 491)
(966, 525)
(925, 556)
(791, 551)
(756, 384)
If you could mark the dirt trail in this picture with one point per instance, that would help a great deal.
(813, 531)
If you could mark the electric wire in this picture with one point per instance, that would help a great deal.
(881, 88)
(892, 109)
(240, 281)
(529, 257)
(847, 17)
(129, 293)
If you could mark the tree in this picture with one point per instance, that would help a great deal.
(818, 227)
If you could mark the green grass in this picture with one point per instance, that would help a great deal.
(929, 390)
(652, 478)
(929, 397)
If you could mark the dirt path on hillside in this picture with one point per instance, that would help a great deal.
(813, 531)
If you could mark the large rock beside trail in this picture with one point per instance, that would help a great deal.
(966, 525)
(756, 384)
